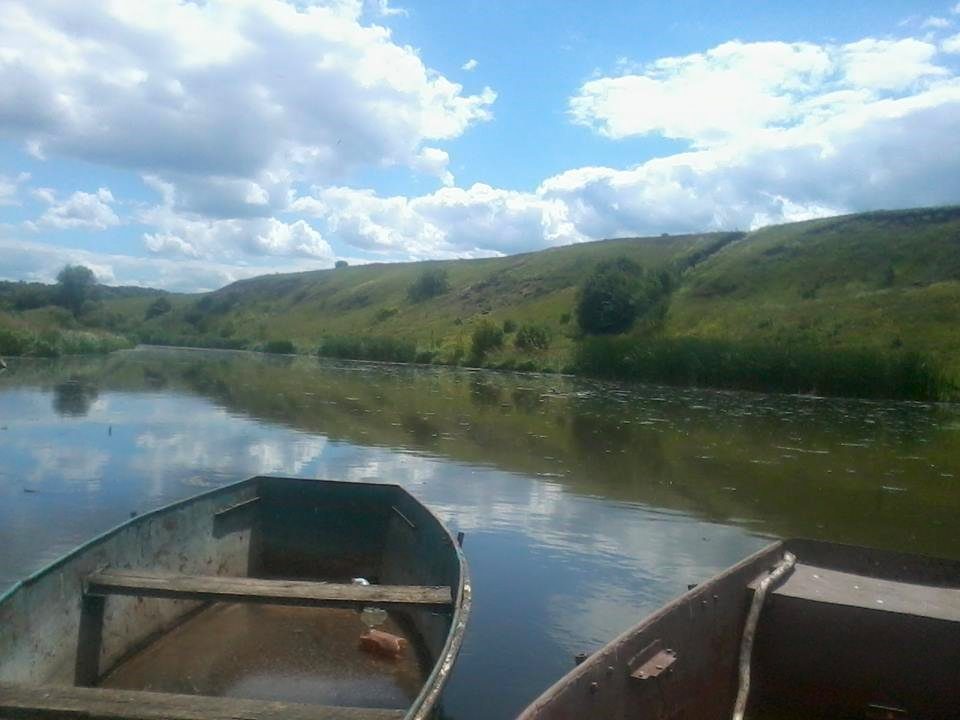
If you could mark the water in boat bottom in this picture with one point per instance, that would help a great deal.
(265, 652)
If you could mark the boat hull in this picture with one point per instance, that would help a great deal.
(59, 628)
(822, 649)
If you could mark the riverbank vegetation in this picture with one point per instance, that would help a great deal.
(18, 338)
(862, 305)
(787, 368)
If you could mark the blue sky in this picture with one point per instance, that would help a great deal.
(188, 144)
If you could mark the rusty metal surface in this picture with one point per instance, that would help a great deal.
(702, 628)
(653, 661)
(814, 656)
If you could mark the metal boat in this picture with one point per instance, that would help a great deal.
(801, 629)
(251, 600)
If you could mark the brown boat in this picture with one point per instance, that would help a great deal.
(801, 629)
(270, 598)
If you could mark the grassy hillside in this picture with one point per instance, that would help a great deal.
(373, 299)
(884, 280)
(861, 304)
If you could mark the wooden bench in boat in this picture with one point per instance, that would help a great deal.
(833, 587)
(256, 590)
(46, 702)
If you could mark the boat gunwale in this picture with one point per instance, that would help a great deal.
(569, 678)
(429, 693)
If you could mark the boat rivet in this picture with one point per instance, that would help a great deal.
(594, 686)
(609, 669)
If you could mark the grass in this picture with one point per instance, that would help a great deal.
(369, 347)
(879, 281)
(782, 367)
(22, 338)
(869, 300)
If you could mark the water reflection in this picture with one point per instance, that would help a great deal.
(74, 397)
(585, 504)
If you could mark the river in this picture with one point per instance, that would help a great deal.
(585, 505)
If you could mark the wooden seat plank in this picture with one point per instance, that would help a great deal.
(46, 702)
(823, 585)
(280, 592)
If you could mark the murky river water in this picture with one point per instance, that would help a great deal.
(585, 505)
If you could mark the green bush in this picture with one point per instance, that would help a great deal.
(784, 367)
(53, 342)
(44, 348)
(369, 347)
(486, 337)
(606, 304)
(535, 338)
(425, 357)
(15, 342)
(158, 307)
(385, 314)
(279, 347)
(618, 292)
(430, 283)
(509, 326)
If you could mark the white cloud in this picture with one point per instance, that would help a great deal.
(470, 65)
(229, 118)
(229, 101)
(938, 23)
(873, 154)
(231, 239)
(80, 211)
(10, 188)
(737, 89)
(434, 161)
(452, 222)
(384, 9)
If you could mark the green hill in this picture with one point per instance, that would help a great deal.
(877, 280)
(373, 300)
(882, 287)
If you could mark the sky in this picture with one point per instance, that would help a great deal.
(186, 144)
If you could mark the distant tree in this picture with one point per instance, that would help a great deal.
(340, 264)
(607, 302)
(618, 292)
(486, 337)
(430, 283)
(158, 307)
(76, 285)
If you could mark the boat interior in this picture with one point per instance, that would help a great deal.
(859, 633)
(844, 632)
(249, 601)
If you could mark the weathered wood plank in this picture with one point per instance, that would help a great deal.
(22, 702)
(89, 641)
(280, 592)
